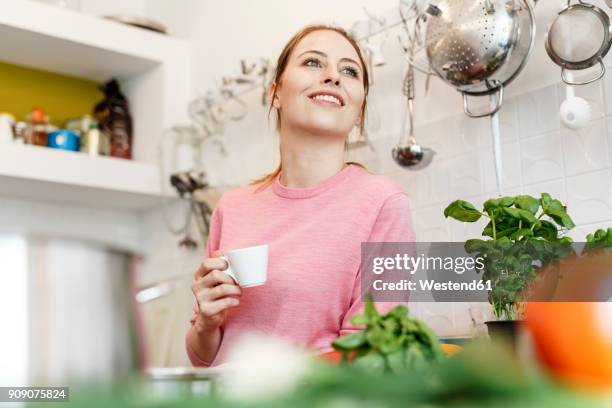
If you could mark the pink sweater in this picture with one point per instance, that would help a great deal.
(314, 236)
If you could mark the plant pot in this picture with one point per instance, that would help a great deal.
(543, 287)
(504, 330)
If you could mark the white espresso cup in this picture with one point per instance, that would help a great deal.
(248, 266)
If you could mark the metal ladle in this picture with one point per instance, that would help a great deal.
(411, 155)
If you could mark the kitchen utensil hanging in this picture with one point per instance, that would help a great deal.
(479, 46)
(579, 38)
(575, 112)
(408, 153)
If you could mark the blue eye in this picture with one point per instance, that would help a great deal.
(351, 71)
(312, 62)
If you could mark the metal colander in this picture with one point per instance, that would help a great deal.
(579, 38)
(479, 46)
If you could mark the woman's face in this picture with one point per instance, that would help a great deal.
(321, 89)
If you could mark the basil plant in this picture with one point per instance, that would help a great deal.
(523, 234)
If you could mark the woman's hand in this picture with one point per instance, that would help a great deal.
(215, 291)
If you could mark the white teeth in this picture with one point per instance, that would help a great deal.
(328, 98)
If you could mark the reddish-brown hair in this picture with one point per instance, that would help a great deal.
(281, 65)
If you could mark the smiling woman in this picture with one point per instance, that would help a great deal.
(313, 212)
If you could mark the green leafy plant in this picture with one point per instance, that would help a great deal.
(394, 342)
(600, 239)
(524, 234)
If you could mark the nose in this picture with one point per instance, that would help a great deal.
(334, 81)
(332, 76)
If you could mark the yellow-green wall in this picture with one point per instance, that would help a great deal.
(61, 96)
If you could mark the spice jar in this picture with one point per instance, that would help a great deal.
(38, 127)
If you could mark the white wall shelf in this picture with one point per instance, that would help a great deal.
(54, 175)
(67, 42)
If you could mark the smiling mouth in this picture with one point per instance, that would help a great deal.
(327, 99)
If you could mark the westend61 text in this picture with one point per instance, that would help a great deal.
(432, 285)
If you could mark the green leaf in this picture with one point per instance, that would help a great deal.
(523, 232)
(391, 344)
(428, 337)
(370, 310)
(528, 203)
(506, 232)
(545, 200)
(561, 218)
(600, 235)
(462, 211)
(520, 214)
(498, 202)
(554, 205)
(391, 324)
(598, 240)
(414, 358)
(350, 341)
(476, 246)
(399, 312)
(557, 211)
(408, 325)
(360, 320)
(372, 362)
(545, 229)
(396, 361)
(377, 336)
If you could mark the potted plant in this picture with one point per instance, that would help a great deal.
(523, 238)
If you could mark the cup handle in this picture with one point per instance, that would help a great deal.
(229, 269)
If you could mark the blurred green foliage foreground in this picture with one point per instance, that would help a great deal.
(484, 375)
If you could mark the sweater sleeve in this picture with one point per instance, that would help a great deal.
(214, 238)
(393, 224)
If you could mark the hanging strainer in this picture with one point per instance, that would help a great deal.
(479, 46)
(579, 38)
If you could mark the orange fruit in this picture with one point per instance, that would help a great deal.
(574, 340)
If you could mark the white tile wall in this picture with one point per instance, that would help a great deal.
(585, 149)
(556, 188)
(589, 197)
(542, 157)
(538, 111)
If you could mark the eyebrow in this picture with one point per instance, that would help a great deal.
(325, 55)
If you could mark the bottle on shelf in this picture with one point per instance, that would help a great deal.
(115, 119)
(93, 140)
(19, 130)
(38, 127)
